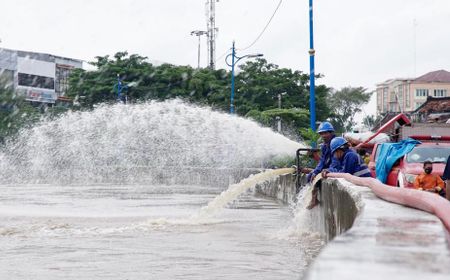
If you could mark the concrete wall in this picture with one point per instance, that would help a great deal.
(371, 238)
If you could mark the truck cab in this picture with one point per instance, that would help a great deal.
(408, 167)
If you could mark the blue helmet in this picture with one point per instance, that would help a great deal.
(336, 143)
(325, 127)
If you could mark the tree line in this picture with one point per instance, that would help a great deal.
(257, 86)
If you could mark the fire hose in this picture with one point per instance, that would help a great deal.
(425, 201)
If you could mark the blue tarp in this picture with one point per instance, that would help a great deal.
(389, 153)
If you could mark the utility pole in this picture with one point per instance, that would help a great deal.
(119, 89)
(312, 101)
(415, 44)
(279, 107)
(211, 25)
(198, 33)
(234, 60)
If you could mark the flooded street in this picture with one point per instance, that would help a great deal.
(144, 232)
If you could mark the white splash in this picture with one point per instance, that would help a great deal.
(137, 143)
(306, 223)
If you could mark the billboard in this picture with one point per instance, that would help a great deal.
(39, 95)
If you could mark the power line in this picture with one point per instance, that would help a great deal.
(265, 27)
(222, 55)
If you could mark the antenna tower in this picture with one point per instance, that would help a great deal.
(212, 32)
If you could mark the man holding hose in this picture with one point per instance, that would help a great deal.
(326, 132)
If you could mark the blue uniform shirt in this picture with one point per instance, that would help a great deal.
(326, 160)
(351, 163)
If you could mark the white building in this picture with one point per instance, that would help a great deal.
(406, 95)
(39, 77)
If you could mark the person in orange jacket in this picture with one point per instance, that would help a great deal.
(429, 182)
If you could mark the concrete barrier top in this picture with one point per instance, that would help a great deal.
(386, 241)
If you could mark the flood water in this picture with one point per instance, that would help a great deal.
(136, 192)
(145, 232)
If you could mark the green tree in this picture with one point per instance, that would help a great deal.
(145, 81)
(309, 136)
(259, 83)
(90, 87)
(15, 112)
(293, 117)
(370, 121)
(257, 87)
(345, 103)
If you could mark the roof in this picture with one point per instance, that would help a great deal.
(434, 105)
(390, 81)
(387, 117)
(439, 76)
(40, 56)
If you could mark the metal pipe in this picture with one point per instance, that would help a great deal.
(233, 55)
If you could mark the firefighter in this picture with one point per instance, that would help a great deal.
(326, 132)
(349, 161)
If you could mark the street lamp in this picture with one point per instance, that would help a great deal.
(198, 33)
(122, 98)
(234, 60)
(119, 89)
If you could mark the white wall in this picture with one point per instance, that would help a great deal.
(36, 67)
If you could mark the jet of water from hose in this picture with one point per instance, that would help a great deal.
(235, 190)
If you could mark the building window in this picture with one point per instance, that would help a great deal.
(379, 100)
(407, 97)
(421, 92)
(62, 79)
(393, 107)
(440, 93)
(36, 81)
(418, 104)
(392, 97)
(385, 100)
(400, 98)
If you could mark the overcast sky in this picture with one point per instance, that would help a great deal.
(357, 42)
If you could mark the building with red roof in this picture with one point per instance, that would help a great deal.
(405, 95)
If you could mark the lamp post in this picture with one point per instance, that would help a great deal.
(234, 60)
(120, 87)
(198, 33)
(312, 101)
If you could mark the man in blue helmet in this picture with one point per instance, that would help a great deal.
(349, 161)
(326, 132)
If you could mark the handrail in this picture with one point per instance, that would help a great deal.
(299, 168)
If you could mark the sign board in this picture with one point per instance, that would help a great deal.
(39, 95)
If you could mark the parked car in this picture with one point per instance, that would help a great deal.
(406, 169)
